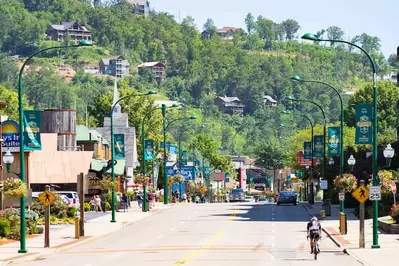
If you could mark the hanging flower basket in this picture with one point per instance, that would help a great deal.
(386, 179)
(142, 179)
(178, 178)
(108, 184)
(345, 183)
(14, 187)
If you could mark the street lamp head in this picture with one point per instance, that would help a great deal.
(151, 92)
(193, 117)
(351, 160)
(296, 78)
(290, 98)
(8, 158)
(310, 37)
(389, 152)
(281, 125)
(85, 43)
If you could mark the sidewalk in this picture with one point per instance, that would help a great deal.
(62, 237)
(350, 242)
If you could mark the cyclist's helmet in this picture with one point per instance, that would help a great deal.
(314, 218)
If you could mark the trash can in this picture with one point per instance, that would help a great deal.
(327, 207)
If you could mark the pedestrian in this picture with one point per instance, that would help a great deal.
(93, 203)
(124, 202)
(151, 199)
(185, 197)
(139, 199)
(177, 196)
(98, 204)
(197, 199)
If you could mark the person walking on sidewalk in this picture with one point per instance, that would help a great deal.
(139, 199)
(313, 231)
(93, 204)
(98, 204)
(124, 202)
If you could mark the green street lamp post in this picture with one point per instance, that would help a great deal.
(311, 138)
(342, 157)
(21, 138)
(165, 174)
(113, 219)
(143, 149)
(376, 180)
(324, 135)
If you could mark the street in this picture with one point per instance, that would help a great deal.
(207, 234)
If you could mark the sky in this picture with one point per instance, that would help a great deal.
(375, 17)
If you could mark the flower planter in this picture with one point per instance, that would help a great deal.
(14, 202)
(388, 228)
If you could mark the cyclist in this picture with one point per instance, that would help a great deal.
(313, 231)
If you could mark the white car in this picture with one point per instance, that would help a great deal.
(249, 199)
(72, 197)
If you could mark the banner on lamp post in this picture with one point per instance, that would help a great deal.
(119, 146)
(149, 150)
(318, 146)
(334, 141)
(307, 150)
(184, 157)
(32, 130)
(363, 125)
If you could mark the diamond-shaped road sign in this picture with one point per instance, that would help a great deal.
(361, 194)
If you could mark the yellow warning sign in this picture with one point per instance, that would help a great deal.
(47, 198)
(202, 190)
(170, 181)
(361, 194)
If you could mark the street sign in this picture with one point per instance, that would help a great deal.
(375, 193)
(393, 187)
(202, 190)
(170, 181)
(324, 184)
(47, 198)
(341, 196)
(361, 194)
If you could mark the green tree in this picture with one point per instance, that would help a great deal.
(250, 23)
(291, 27)
(335, 33)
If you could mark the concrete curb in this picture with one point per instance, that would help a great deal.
(34, 256)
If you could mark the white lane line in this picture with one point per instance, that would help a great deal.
(160, 236)
(172, 229)
(117, 255)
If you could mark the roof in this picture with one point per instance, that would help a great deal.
(139, 2)
(150, 64)
(67, 25)
(119, 168)
(83, 134)
(228, 99)
(269, 98)
(226, 29)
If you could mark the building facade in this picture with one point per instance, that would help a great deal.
(76, 32)
(116, 66)
(140, 7)
(230, 105)
(158, 68)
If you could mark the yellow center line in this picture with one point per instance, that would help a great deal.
(206, 246)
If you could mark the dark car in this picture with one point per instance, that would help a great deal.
(237, 195)
(286, 197)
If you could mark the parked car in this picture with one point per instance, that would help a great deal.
(72, 197)
(249, 199)
(286, 197)
(262, 199)
(237, 195)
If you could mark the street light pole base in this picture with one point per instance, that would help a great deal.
(113, 221)
(375, 246)
(22, 251)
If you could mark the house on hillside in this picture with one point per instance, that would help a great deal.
(140, 7)
(225, 33)
(116, 66)
(268, 101)
(158, 68)
(74, 30)
(230, 105)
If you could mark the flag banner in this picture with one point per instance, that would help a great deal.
(318, 142)
(307, 150)
(119, 146)
(32, 130)
(149, 150)
(334, 141)
(363, 125)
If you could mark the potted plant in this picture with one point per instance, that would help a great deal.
(395, 213)
(345, 183)
(14, 188)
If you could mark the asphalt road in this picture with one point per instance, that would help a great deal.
(207, 234)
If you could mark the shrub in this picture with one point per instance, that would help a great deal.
(107, 206)
(160, 199)
(53, 220)
(13, 215)
(87, 207)
(5, 228)
(14, 187)
(59, 208)
(395, 212)
(131, 195)
(72, 211)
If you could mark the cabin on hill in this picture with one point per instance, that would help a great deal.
(158, 68)
(140, 7)
(76, 32)
(230, 105)
(116, 66)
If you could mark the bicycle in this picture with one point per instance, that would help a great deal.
(316, 246)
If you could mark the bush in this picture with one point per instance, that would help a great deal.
(13, 216)
(107, 206)
(87, 207)
(131, 195)
(5, 228)
(72, 211)
(59, 208)
(53, 220)
(160, 199)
